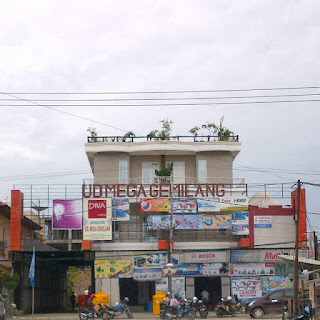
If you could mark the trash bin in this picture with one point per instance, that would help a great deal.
(157, 298)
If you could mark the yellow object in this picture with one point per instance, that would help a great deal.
(157, 298)
(101, 297)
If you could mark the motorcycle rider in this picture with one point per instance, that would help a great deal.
(90, 304)
(229, 304)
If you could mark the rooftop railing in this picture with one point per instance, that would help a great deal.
(208, 138)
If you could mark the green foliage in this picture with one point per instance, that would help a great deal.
(194, 131)
(94, 133)
(165, 172)
(222, 133)
(164, 132)
(129, 134)
(9, 281)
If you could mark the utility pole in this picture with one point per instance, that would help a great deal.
(296, 260)
(170, 245)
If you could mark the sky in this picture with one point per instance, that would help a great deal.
(144, 46)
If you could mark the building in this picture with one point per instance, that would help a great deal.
(210, 210)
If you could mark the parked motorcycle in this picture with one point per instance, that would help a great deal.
(118, 309)
(238, 304)
(100, 312)
(226, 308)
(185, 311)
(198, 306)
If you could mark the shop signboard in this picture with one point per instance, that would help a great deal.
(273, 283)
(212, 269)
(273, 255)
(194, 221)
(252, 269)
(188, 269)
(242, 256)
(246, 288)
(217, 221)
(209, 205)
(262, 222)
(184, 206)
(154, 205)
(204, 256)
(153, 260)
(162, 285)
(240, 223)
(97, 219)
(283, 269)
(67, 215)
(112, 268)
(120, 209)
(157, 222)
(147, 274)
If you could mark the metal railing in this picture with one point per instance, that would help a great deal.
(208, 138)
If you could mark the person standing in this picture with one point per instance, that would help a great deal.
(205, 297)
(73, 301)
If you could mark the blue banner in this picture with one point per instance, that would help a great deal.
(32, 269)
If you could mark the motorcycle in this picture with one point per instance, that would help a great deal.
(100, 312)
(118, 309)
(226, 308)
(200, 307)
(185, 311)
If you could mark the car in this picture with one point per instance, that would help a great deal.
(272, 302)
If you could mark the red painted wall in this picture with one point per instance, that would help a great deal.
(15, 219)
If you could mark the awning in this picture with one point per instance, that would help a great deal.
(304, 263)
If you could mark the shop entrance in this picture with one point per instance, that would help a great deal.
(212, 285)
(139, 293)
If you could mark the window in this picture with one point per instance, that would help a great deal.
(123, 171)
(276, 295)
(202, 171)
(148, 172)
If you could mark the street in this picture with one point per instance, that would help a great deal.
(137, 315)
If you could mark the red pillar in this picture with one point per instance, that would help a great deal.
(86, 245)
(15, 219)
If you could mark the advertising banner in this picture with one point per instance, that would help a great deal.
(239, 256)
(283, 269)
(234, 203)
(240, 229)
(209, 205)
(212, 269)
(189, 269)
(97, 219)
(147, 274)
(179, 286)
(206, 256)
(246, 288)
(273, 283)
(184, 206)
(67, 215)
(120, 209)
(217, 221)
(273, 255)
(252, 269)
(153, 260)
(162, 285)
(112, 268)
(188, 221)
(154, 205)
(262, 222)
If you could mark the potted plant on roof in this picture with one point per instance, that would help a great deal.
(164, 175)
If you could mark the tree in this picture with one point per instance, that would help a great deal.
(164, 133)
(129, 134)
(194, 131)
(9, 281)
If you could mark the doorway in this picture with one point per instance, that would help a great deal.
(212, 285)
(139, 293)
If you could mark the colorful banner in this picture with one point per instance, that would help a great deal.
(97, 219)
(234, 203)
(241, 216)
(246, 288)
(217, 221)
(112, 268)
(147, 274)
(162, 285)
(120, 209)
(211, 269)
(184, 206)
(153, 260)
(188, 269)
(273, 283)
(181, 222)
(188, 222)
(206, 256)
(67, 215)
(154, 205)
(209, 205)
(252, 269)
(262, 222)
(240, 229)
